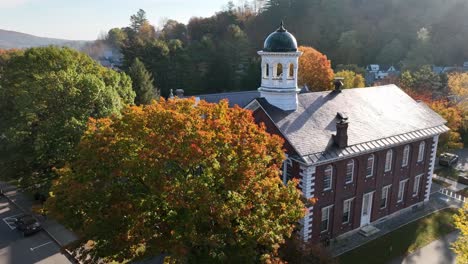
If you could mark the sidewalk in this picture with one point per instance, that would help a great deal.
(54, 230)
(436, 252)
(436, 202)
(454, 186)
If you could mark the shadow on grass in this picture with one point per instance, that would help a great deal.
(402, 241)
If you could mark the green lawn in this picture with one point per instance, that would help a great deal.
(447, 172)
(403, 240)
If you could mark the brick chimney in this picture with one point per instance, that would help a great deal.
(338, 83)
(341, 137)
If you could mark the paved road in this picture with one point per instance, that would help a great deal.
(437, 252)
(463, 160)
(16, 249)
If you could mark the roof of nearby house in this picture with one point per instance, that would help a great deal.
(235, 98)
(378, 117)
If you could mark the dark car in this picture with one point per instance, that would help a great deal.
(27, 224)
(448, 159)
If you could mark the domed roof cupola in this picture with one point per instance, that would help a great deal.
(280, 41)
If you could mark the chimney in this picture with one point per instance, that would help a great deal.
(338, 83)
(179, 93)
(341, 137)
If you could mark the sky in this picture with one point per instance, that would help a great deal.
(87, 19)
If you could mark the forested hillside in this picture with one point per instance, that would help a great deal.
(218, 53)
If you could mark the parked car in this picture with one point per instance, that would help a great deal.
(27, 224)
(448, 159)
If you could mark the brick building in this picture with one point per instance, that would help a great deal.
(364, 154)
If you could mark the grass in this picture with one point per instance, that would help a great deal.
(442, 183)
(448, 172)
(402, 241)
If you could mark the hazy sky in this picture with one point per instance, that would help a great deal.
(85, 19)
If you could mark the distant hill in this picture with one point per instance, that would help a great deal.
(13, 39)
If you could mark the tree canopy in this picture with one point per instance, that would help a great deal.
(315, 70)
(351, 79)
(142, 83)
(199, 182)
(46, 97)
(460, 247)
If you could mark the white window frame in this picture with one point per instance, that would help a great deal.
(401, 191)
(349, 174)
(386, 190)
(406, 152)
(417, 182)
(371, 156)
(331, 177)
(422, 148)
(328, 210)
(388, 161)
(350, 203)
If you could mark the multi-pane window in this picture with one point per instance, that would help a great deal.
(325, 219)
(401, 190)
(384, 198)
(349, 171)
(327, 178)
(406, 151)
(422, 146)
(417, 181)
(347, 211)
(388, 160)
(370, 166)
(287, 171)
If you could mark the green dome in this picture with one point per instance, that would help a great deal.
(280, 41)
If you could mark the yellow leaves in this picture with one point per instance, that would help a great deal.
(460, 246)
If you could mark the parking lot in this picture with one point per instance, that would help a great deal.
(16, 249)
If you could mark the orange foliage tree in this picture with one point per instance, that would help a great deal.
(315, 70)
(198, 182)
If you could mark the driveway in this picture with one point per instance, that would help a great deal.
(16, 249)
(463, 160)
(437, 252)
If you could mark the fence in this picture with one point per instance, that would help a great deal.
(454, 195)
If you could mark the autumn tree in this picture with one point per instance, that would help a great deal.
(351, 79)
(460, 247)
(46, 97)
(315, 70)
(197, 181)
(142, 83)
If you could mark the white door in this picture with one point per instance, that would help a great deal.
(366, 208)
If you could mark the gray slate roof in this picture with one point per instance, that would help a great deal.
(235, 98)
(378, 116)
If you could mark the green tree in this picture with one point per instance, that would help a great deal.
(200, 183)
(142, 83)
(351, 79)
(46, 96)
(138, 20)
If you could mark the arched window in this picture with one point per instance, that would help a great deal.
(406, 151)
(267, 70)
(279, 70)
(328, 178)
(349, 171)
(370, 166)
(422, 146)
(291, 71)
(388, 160)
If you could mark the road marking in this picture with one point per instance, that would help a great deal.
(9, 221)
(34, 248)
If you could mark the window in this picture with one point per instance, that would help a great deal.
(349, 171)
(401, 190)
(287, 171)
(370, 166)
(267, 70)
(417, 181)
(327, 178)
(422, 146)
(279, 70)
(325, 218)
(404, 161)
(291, 70)
(388, 160)
(383, 201)
(347, 211)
